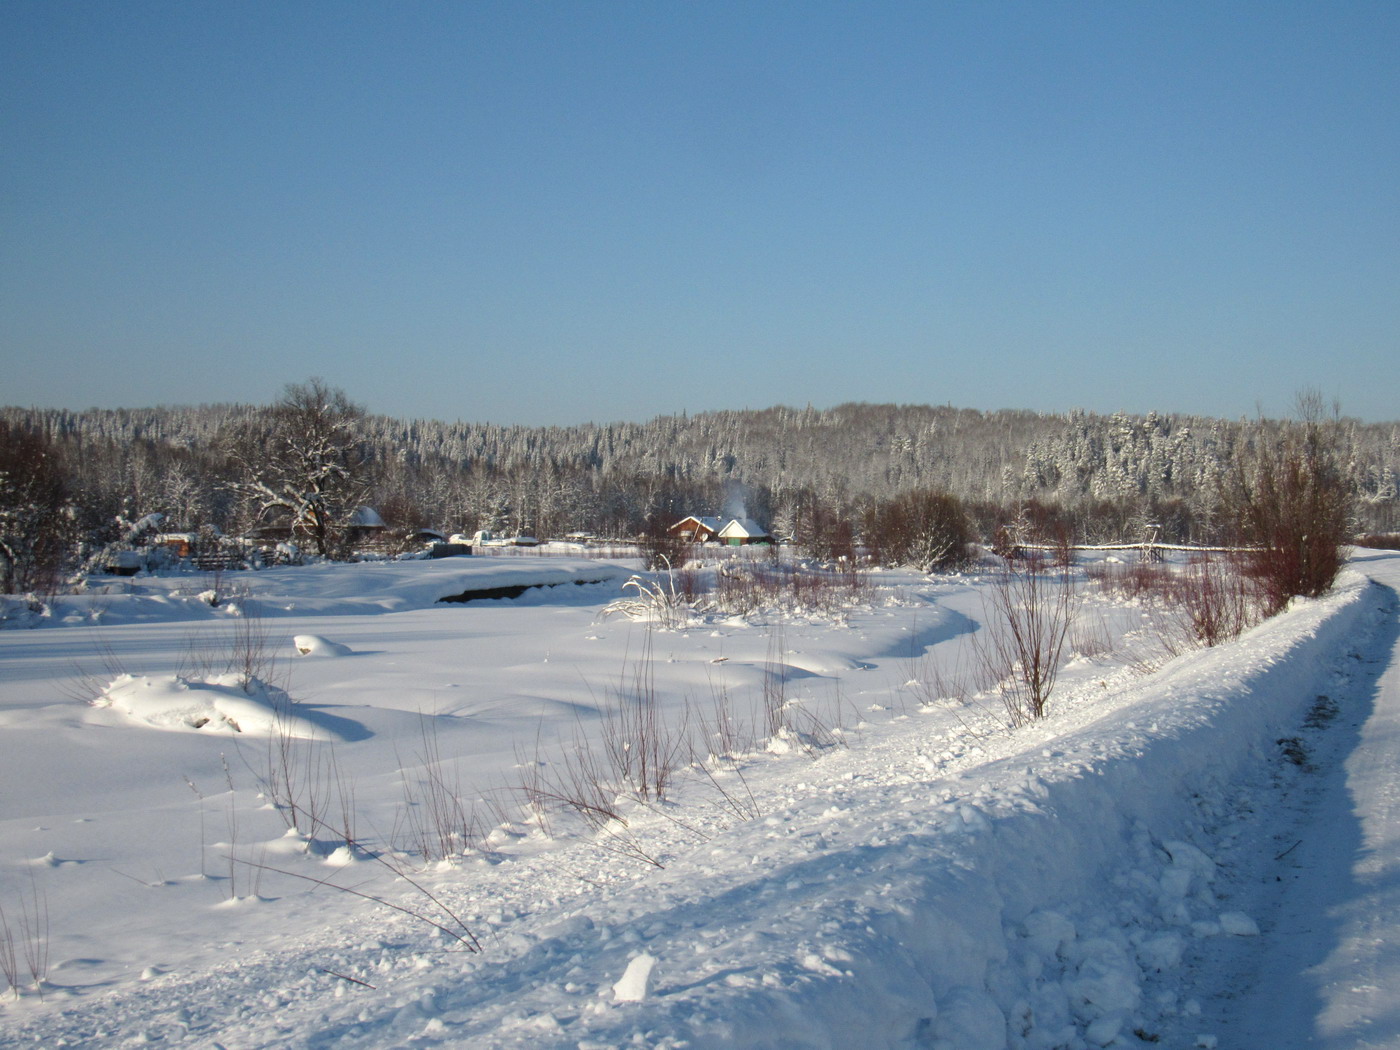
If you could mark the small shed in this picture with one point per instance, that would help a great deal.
(180, 544)
(364, 524)
(694, 529)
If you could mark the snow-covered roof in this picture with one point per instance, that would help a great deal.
(367, 518)
(147, 524)
(743, 527)
(711, 523)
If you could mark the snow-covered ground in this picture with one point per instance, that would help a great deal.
(1200, 856)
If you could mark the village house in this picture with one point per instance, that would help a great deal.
(741, 531)
(734, 533)
(696, 529)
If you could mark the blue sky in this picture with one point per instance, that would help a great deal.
(558, 212)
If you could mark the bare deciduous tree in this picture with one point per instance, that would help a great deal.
(303, 458)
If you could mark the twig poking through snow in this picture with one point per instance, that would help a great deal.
(347, 977)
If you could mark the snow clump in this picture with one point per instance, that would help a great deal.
(225, 703)
(315, 645)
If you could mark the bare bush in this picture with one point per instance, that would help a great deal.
(931, 680)
(34, 929)
(1090, 637)
(744, 586)
(808, 731)
(251, 656)
(1217, 601)
(1293, 506)
(243, 648)
(1141, 579)
(928, 530)
(298, 776)
(9, 954)
(715, 749)
(739, 800)
(747, 586)
(774, 685)
(237, 865)
(787, 723)
(1025, 632)
(632, 758)
(433, 910)
(580, 782)
(726, 735)
(84, 685)
(1386, 541)
(577, 781)
(1060, 538)
(642, 750)
(688, 583)
(532, 784)
(1209, 601)
(658, 548)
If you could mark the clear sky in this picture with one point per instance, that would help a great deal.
(554, 212)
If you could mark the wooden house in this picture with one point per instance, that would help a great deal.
(741, 531)
(695, 529)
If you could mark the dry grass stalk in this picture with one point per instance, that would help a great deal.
(441, 824)
(26, 950)
(9, 954)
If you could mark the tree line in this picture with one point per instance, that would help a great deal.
(886, 477)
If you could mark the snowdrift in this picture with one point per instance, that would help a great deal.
(220, 704)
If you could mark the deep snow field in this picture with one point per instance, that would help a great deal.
(1188, 852)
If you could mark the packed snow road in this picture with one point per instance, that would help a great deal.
(1325, 971)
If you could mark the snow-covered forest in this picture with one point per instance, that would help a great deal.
(1097, 478)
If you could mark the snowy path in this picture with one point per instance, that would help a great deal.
(1326, 973)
